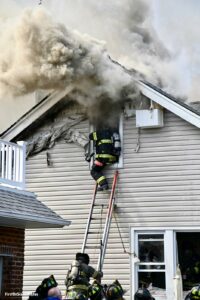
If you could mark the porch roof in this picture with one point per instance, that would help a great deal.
(22, 209)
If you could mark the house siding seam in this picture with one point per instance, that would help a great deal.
(158, 186)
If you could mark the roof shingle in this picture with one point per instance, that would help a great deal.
(23, 209)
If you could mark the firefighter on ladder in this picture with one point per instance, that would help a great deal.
(108, 148)
(78, 277)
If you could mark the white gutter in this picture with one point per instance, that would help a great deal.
(169, 104)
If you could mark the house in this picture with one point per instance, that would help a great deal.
(19, 210)
(157, 213)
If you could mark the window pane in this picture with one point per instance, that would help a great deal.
(156, 279)
(151, 236)
(151, 247)
(154, 267)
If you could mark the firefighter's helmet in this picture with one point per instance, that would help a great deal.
(83, 257)
(195, 292)
(114, 291)
(47, 284)
(95, 291)
(143, 294)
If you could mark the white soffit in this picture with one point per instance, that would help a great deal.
(35, 113)
(169, 104)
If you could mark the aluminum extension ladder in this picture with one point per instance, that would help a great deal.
(104, 240)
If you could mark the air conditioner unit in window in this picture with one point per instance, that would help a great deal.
(149, 118)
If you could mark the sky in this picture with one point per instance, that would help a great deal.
(159, 39)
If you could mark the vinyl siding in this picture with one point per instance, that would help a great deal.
(158, 186)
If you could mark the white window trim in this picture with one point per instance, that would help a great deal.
(170, 258)
(170, 247)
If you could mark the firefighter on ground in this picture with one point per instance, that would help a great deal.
(108, 148)
(194, 293)
(47, 290)
(78, 277)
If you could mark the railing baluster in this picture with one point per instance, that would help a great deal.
(1, 175)
(17, 164)
(3, 160)
(12, 164)
(6, 161)
(22, 162)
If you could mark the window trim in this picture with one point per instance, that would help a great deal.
(169, 257)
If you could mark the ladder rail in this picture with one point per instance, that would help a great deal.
(107, 223)
(89, 219)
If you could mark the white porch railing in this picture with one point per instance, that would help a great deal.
(12, 164)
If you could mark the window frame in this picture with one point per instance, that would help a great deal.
(169, 258)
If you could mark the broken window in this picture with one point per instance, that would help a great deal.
(188, 244)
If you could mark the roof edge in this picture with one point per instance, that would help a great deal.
(17, 191)
(27, 218)
(178, 109)
(34, 113)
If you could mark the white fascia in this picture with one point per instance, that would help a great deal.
(170, 105)
(35, 113)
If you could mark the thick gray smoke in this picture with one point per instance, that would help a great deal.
(160, 39)
(43, 54)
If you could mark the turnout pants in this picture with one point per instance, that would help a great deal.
(96, 171)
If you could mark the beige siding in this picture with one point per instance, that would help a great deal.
(158, 186)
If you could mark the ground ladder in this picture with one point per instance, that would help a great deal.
(104, 240)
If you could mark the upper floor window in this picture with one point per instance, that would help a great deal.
(119, 126)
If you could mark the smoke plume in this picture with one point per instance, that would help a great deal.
(43, 54)
(160, 39)
(157, 39)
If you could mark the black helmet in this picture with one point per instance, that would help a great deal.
(114, 291)
(83, 257)
(95, 291)
(195, 292)
(143, 294)
(45, 286)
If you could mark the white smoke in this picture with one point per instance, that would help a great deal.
(43, 54)
(158, 39)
